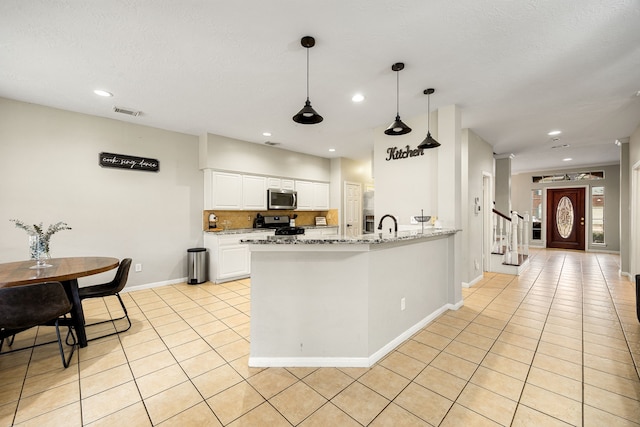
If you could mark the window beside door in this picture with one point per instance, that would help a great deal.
(536, 214)
(597, 215)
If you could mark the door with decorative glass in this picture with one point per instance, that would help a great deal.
(565, 218)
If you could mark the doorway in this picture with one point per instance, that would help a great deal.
(566, 218)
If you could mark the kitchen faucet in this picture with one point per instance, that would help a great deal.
(395, 223)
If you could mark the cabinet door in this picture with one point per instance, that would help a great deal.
(226, 190)
(233, 261)
(305, 195)
(320, 196)
(288, 184)
(274, 183)
(254, 192)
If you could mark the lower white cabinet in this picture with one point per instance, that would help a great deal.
(228, 258)
(321, 231)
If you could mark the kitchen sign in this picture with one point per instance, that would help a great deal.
(395, 153)
(122, 161)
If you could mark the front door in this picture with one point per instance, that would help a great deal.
(565, 218)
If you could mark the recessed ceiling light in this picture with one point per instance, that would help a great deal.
(332, 149)
(567, 159)
(101, 92)
(266, 133)
(358, 97)
(554, 132)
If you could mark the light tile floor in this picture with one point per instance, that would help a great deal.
(557, 345)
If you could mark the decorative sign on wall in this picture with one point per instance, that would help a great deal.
(122, 161)
(395, 153)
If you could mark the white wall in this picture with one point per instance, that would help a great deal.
(405, 186)
(222, 153)
(49, 172)
(480, 163)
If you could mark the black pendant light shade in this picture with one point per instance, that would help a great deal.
(397, 127)
(428, 142)
(307, 116)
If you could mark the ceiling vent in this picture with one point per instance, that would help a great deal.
(126, 111)
(271, 144)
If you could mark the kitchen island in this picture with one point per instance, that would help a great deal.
(346, 301)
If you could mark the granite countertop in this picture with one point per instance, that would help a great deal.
(220, 231)
(375, 238)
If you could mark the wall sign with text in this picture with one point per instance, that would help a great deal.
(122, 161)
(395, 153)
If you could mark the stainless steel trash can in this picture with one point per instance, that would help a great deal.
(197, 265)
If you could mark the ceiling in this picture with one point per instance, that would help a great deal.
(516, 69)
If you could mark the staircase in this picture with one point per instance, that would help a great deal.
(510, 243)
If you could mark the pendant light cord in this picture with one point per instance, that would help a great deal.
(307, 74)
(397, 93)
(428, 113)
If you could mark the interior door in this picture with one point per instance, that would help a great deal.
(353, 209)
(565, 218)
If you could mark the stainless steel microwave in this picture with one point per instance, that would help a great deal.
(282, 199)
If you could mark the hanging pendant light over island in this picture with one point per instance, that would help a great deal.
(428, 142)
(307, 116)
(397, 127)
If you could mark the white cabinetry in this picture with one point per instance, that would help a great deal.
(320, 196)
(225, 191)
(305, 195)
(312, 195)
(321, 231)
(254, 192)
(232, 191)
(288, 184)
(228, 258)
(280, 183)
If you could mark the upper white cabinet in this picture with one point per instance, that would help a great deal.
(274, 182)
(280, 183)
(254, 192)
(312, 195)
(305, 195)
(288, 184)
(225, 191)
(320, 196)
(232, 191)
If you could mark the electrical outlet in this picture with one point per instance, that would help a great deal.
(477, 264)
(402, 304)
(138, 268)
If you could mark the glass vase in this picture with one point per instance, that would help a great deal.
(38, 250)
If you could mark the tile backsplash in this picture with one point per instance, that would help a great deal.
(244, 219)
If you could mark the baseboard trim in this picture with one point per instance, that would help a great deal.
(473, 282)
(155, 284)
(349, 362)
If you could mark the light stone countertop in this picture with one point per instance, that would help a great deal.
(374, 238)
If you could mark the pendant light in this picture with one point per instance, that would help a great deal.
(307, 116)
(397, 127)
(429, 142)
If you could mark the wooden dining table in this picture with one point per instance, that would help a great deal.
(63, 270)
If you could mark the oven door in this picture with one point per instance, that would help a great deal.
(282, 199)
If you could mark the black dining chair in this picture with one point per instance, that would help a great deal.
(108, 289)
(25, 306)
